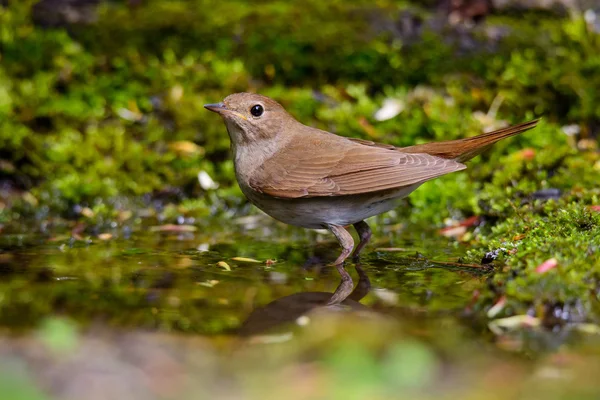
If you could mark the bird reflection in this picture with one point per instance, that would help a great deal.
(290, 309)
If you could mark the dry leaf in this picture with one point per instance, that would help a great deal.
(87, 212)
(186, 148)
(499, 326)
(209, 283)
(206, 182)
(547, 266)
(526, 154)
(391, 249)
(176, 93)
(389, 109)
(173, 228)
(471, 221)
(496, 308)
(246, 259)
(224, 265)
(454, 231)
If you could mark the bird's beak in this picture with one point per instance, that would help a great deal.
(216, 107)
(221, 108)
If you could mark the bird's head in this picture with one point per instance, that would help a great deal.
(251, 117)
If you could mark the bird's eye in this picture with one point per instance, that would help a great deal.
(257, 110)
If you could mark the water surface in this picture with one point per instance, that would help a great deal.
(232, 309)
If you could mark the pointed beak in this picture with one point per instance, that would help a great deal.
(216, 107)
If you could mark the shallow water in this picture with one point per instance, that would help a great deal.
(207, 281)
(250, 297)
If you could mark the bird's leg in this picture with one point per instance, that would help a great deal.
(345, 287)
(364, 233)
(362, 287)
(345, 240)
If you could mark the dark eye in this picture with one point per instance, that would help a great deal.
(257, 110)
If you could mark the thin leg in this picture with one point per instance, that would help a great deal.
(362, 287)
(364, 233)
(344, 288)
(345, 240)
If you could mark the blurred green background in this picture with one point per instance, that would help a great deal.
(101, 101)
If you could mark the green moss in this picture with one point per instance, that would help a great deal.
(93, 113)
(569, 233)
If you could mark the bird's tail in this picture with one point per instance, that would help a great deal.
(463, 150)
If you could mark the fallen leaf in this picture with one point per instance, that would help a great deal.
(129, 115)
(458, 229)
(176, 93)
(206, 182)
(496, 308)
(209, 283)
(173, 228)
(471, 221)
(224, 265)
(547, 266)
(203, 247)
(587, 144)
(186, 148)
(526, 154)
(389, 109)
(391, 249)
(389, 297)
(571, 130)
(87, 212)
(454, 231)
(499, 326)
(105, 236)
(246, 259)
(124, 215)
(29, 198)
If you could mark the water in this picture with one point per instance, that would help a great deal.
(237, 310)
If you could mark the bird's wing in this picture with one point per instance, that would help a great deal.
(317, 166)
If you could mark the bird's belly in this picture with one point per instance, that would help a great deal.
(316, 212)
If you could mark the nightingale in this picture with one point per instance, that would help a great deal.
(315, 179)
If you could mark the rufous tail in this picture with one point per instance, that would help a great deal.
(463, 150)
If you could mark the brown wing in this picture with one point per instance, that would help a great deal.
(461, 150)
(334, 166)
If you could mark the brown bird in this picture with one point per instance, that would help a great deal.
(315, 179)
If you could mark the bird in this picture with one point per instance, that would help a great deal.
(307, 177)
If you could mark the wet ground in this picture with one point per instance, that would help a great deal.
(238, 310)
